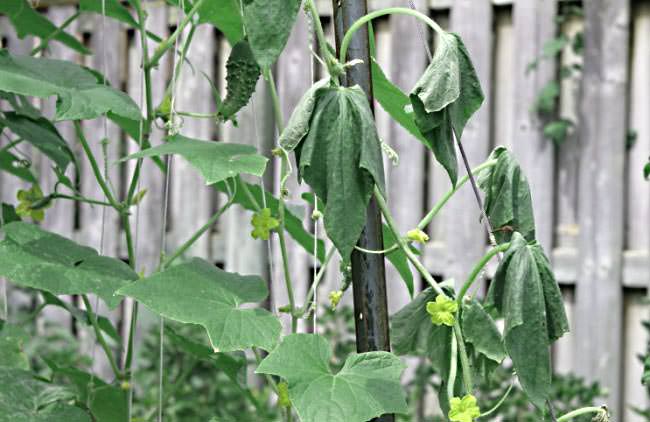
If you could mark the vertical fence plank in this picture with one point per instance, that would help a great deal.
(406, 187)
(602, 135)
(472, 20)
(534, 24)
(503, 88)
(635, 344)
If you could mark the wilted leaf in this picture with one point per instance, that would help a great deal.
(268, 25)
(366, 387)
(33, 257)
(507, 197)
(444, 98)
(480, 330)
(216, 161)
(81, 96)
(298, 125)
(200, 293)
(525, 293)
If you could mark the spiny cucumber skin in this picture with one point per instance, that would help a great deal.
(242, 73)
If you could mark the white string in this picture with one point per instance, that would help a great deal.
(172, 130)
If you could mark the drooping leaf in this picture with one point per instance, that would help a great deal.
(393, 101)
(33, 257)
(507, 197)
(480, 330)
(242, 73)
(366, 387)
(525, 293)
(12, 354)
(16, 166)
(106, 402)
(28, 21)
(197, 292)
(293, 223)
(24, 398)
(216, 161)
(268, 24)
(41, 134)
(81, 95)
(444, 98)
(340, 158)
(398, 259)
(298, 124)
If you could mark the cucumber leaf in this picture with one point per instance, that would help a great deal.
(340, 158)
(197, 292)
(524, 292)
(33, 257)
(268, 25)
(216, 161)
(367, 386)
(508, 202)
(81, 94)
(12, 354)
(444, 98)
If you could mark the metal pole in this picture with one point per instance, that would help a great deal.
(368, 271)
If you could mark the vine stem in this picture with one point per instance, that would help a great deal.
(442, 201)
(169, 41)
(477, 269)
(100, 337)
(383, 12)
(499, 403)
(314, 285)
(45, 41)
(80, 199)
(582, 411)
(453, 367)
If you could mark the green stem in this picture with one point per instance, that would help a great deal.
(441, 203)
(379, 252)
(477, 269)
(464, 359)
(45, 41)
(582, 411)
(80, 199)
(100, 337)
(197, 115)
(453, 367)
(169, 41)
(320, 34)
(95, 167)
(277, 108)
(499, 403)
(185, 246)
(383, 12)
(11, 145)
(314, 285)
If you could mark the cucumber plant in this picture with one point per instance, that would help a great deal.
(338, 153)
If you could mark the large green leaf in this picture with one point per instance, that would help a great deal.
(444, 98)
(483, 339)
(12, 354)
(525, 293)
(216, 161)
(111, 8)
(292, 221)
(28, 21)
(298, 124)
(268, 25)
(41, 134)
(367, 386)
(33, 257)
(242, 73)
(393, 101)
(200, 293)
(81, 95)
(226, 16)
(507, 197)
(24, 398)
(340, 158)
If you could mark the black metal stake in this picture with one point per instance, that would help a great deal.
(368, 271)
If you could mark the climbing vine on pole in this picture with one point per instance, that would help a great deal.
(332, 139)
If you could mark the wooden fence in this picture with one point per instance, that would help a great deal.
(592, 206)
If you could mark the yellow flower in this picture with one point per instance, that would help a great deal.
(417, 235)
(263, 223)
(335, 298)
(26, 200)
(463, 410)
(442, 310)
